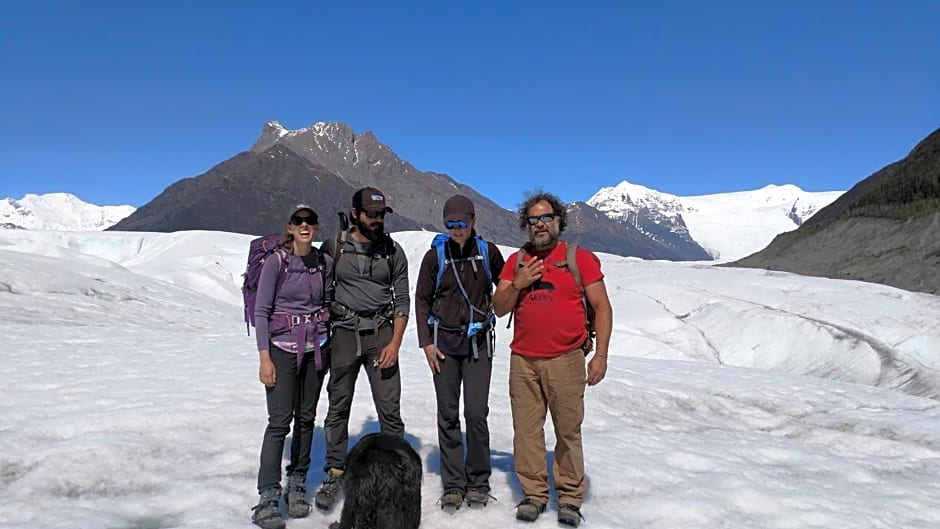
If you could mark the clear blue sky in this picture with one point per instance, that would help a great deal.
(114, 101)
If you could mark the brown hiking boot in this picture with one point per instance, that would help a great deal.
(329, 490)
(528, 510)
(569, 515)
(451, 500)
(478, 497)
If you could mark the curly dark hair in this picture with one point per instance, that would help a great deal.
(558, 208)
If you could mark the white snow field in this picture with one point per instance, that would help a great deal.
(736, 399)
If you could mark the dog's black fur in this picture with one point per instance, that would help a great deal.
(381, 485)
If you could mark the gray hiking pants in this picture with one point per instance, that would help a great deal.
(458, 472)
(293, 397)
(344, 371)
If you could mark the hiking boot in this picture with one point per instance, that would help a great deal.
(267, 514)
(329, 490)
(451, 500)
(569, 515)
(528, 510)
(478, 497)
(297, 505)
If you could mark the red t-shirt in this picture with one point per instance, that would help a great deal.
(549, 317)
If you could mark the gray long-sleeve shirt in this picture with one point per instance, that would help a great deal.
(363, 283)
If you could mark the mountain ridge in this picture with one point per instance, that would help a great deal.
(58, 211)
(727, 225)
(323, 165)
(883, 230)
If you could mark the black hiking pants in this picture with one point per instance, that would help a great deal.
(344, 371)
(462, 469)
(293, 397)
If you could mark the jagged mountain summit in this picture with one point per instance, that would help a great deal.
(323, 165)
(726, 225)
(58, 211)
(362, 160)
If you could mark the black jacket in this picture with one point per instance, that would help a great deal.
(450, 306)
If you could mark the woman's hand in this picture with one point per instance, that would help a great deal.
(266, 372)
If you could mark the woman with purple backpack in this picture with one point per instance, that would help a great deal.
(291, 316)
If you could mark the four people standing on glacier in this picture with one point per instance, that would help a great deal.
(456, 307)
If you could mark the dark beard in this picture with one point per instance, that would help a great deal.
(546, 244)
(374, 233)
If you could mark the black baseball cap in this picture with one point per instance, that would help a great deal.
(371, 199)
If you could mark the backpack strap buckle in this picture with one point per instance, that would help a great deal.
(297, 319)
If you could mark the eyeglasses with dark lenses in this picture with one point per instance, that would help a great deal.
(546, 218)
(375, 214)
(456, 225)
(297, 220)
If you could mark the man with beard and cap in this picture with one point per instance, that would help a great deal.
(549, 347)
(454, 309)
(369, 313)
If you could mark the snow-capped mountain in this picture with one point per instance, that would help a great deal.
(726, 225)
(58, 211)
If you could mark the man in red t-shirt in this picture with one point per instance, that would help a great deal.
(547, 368)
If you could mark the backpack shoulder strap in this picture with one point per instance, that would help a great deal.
(484, 248)
(439, 243)
(321, 267)
(338, 242)
(281, 255)
(389, 251)
(571, 254)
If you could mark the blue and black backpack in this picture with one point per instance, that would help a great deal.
(443, 263)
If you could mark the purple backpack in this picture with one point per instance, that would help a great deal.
(258, 252)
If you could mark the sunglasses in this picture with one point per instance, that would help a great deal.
(297, 220)
(377, 214)
(456, 225)
(546, 218)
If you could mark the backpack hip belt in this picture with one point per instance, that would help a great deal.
(341, 312)
(470, 330)
(298, 325)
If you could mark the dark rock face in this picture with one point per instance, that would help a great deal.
(886, 229)
(364, 161)
(250, 193)
(323, 165)
(594, 230)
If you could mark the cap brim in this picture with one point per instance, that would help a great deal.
(380, 208)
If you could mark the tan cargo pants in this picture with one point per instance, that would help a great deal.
(556, 385)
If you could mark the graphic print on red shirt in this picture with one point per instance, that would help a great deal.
(549, 317)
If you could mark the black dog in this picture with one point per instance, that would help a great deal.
(382, 485)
